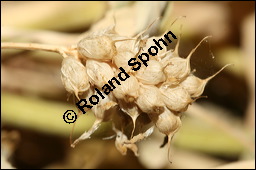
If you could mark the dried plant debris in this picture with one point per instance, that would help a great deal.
(123, 77)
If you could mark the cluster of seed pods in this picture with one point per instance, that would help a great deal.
(152, 96)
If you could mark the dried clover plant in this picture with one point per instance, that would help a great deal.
(161, 91)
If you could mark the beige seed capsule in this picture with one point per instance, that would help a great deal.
(99, 72)
(122, 58)
(150, 99)
(128, 90)
(74, 76)
(176, 98)
(156, 44)
(167, 123)
(152, 74)
(178, 68)
(97, 47)
(195, 86)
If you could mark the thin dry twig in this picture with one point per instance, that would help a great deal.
(64, 51)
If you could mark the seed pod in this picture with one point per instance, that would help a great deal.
(150, 99)
(178, 68)
(167, 123)
(152, 74)
(97, 47)
(128, 90)
(195, 86)
(156, 45)
(99, 72)
(74, 76)
(176, 98)
(121, 59)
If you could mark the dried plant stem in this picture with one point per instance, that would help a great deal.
(34, 46)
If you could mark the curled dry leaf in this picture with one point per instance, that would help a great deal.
(121, 146)
(122, 142)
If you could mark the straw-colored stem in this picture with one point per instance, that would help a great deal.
(34, 46)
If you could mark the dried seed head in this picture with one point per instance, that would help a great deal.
(152, 74)
(176, 98)
(150, 99)
(74, 76)
(178, 68)
(195, 86)
(99, 72)
(128, 90)
(97, 47)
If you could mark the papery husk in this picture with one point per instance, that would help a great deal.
(99, 72)
(176, 98)
(74, 76)
(150, 99)
(152, 74)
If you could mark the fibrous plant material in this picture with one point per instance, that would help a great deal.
(161, 86)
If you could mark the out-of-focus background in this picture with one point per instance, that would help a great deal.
(218, 131)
